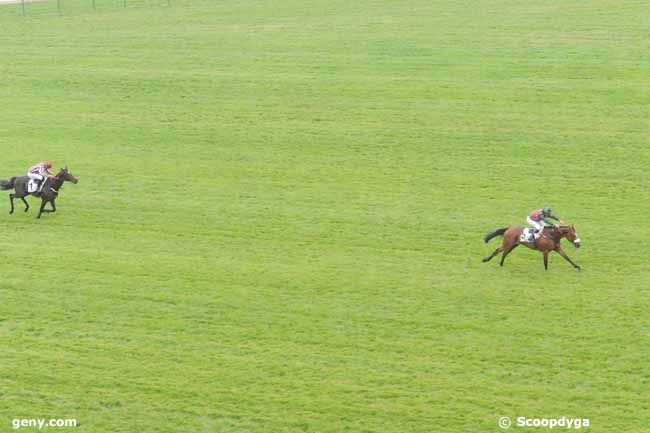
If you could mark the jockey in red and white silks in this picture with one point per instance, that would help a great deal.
(39, 171)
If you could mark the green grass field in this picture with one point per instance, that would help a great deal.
(278, 225)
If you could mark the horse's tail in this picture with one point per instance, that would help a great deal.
(7, 184)
(494, 234)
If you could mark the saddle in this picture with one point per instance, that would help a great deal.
(34, 185)
(528, 235)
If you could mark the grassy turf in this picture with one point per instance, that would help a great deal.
(279, 216)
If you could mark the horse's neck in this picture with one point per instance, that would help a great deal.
(557, 235)
(56, 184)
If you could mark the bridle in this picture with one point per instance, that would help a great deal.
(564, 230)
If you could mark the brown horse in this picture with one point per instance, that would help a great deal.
(547, 242)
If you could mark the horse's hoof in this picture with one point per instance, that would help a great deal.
(578, 268)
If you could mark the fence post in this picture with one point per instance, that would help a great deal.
(94, 7)
(23, 3)
(58, 6)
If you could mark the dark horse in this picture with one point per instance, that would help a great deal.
(48, 193)
(547, 242)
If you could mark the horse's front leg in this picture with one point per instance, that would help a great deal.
(41, 209)
(561, 252)
(26, 203)
(53, 206)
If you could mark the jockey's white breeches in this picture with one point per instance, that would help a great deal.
(36, 176)
(539, 226)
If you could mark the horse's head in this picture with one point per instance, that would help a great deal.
(65, 175)
(570, 233)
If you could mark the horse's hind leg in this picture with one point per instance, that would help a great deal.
(26, 204)
(506, 252)
(11, 199)
(496, 252)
